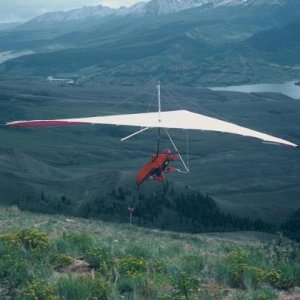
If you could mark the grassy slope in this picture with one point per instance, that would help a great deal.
(13, 219)
(83, 163)
(185, 266)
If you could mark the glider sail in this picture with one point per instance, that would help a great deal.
(179, 119)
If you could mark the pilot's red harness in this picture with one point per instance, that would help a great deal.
(158, 164)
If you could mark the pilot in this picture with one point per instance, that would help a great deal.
(158, 164)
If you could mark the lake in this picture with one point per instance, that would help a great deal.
(289, 88)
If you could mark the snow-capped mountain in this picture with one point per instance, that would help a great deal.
(75, 14)
(138, 9)
(161, 7)
(151, 8)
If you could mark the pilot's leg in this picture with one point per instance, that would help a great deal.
(160, 177)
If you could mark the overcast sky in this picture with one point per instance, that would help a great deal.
(21, 10)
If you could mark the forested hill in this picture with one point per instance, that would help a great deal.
(168, 208)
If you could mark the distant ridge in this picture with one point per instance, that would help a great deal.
(74, 14)
(5, 26)
(151, 8)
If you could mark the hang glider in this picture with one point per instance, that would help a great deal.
(177, 119)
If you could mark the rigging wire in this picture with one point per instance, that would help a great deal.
(173, 98)
(152, 100)
(199, 107)
(184, 164)
(142, 129)
(187, 133)
(127, 100)
(187, 149)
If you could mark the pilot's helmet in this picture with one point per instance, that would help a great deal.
(167, 151)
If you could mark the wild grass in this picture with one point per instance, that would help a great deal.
(55, 257)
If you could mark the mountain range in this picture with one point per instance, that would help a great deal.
(194, 42)
(154, 8)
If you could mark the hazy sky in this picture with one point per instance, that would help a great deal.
(21, 10)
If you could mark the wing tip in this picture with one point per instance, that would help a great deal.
(287, 144)
(13, 124)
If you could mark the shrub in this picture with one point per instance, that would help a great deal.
(37, 290)
(255, 276)
(185, 285)
(100, 259)
(60, 260)
(239, 270)
(19, 265)
(131, 266)
(29, 238)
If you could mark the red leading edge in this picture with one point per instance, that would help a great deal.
(45, 123)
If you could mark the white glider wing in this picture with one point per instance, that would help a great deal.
(180, 119)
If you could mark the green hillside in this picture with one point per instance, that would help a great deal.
(282, 45)
(56, 257)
